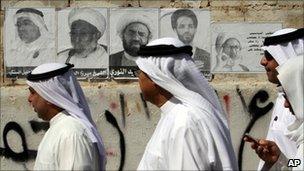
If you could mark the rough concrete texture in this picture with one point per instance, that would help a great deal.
(138, 128)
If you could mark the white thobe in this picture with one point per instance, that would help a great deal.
(183, 140)
(36, 53)
(66, 146)
(281, 118)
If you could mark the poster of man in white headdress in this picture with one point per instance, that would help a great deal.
(236, 47)
(29, 39)
(192, 27)
(82, 41)
(130, 29)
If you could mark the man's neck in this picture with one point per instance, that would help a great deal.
(53, 112)
(162, 98)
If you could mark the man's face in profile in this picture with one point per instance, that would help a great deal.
(185, 29)
(83, 36)
(134, 36)
(27, 30)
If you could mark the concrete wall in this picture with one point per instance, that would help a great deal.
(236, 91)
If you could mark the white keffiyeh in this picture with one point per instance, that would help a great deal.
(65, 92)
(283, 51)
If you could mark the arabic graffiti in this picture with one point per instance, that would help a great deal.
(111, 119)
(256, 112)
(23, 156)
(39, 126)
(122, 104)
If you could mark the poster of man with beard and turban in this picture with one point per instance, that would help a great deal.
(192, 27)
(130, 29)
(82, 41)
(29, 39)
(236, 46)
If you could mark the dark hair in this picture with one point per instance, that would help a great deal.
(182, 12)
(267, 55)
(31, 10)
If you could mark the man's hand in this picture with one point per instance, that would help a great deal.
(265, 149)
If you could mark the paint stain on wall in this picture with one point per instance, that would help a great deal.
(113, 105)
(227, 103)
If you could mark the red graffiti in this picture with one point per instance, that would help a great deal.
(227, 103)
(113, 105)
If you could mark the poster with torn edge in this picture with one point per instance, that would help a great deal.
(192, 27)
(83, 41)
(130, 28)
(236, 46)
(29, 39)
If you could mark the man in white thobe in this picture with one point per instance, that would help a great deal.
(72, 142)
(291, 79)
(192, 133)
(279, 48)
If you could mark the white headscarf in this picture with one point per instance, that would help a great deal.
(291, 78)
(41, 42)
(179, 75)
(88, 15)
(283, 51)
(126, 20)
(35, 18)
(65, 92)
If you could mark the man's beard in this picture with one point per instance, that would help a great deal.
(131, 50)
(186, 38)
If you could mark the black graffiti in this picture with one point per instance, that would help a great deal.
(145, 106)
(238, 91)
(23, 156)
(256, 112)
(111, 119)
(122, 105)
(39, 126)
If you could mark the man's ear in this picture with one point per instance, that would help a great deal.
(175, 30)
(97, 35)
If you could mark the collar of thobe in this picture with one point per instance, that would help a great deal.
(57, 118)
(169, 105)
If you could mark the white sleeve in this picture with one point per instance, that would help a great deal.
(76, 153)
(188, 151)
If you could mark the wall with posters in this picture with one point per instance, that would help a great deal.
(110, 85)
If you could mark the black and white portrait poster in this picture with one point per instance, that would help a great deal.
(130, 29)
(29, 39)
(192, 27)
(236, 47)
(83, 40)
